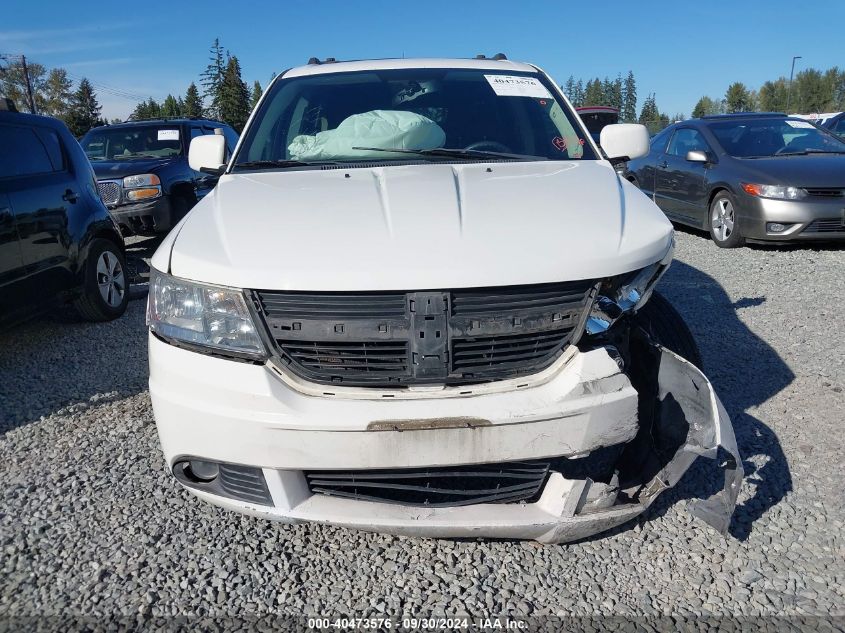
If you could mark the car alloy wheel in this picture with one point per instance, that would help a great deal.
(722, 219)
(110, 279)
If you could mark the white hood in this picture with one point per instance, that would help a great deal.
(411, 227)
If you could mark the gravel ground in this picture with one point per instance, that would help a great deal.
(92, 524)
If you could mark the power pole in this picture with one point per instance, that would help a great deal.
(789, 89)
(28, 85)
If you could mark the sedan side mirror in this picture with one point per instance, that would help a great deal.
(624, 141)
(208, 154)
(697, 156)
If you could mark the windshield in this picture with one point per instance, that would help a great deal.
(126, 143)
(434, 114)
(773, 137)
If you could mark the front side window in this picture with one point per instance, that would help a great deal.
(360, 116)
(127, 143)
(24, 153)
(686, 140)
(774, 137)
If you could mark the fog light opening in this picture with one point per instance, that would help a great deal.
(201, 471)
(776, 227)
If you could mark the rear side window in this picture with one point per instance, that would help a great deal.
(25, 154)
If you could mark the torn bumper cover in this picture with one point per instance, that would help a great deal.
(654, 419)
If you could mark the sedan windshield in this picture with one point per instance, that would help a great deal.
(420, 114)
(774, 137)
(126, 143)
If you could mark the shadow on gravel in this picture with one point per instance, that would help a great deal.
(746, 372)
(53, 362)
(833, 245)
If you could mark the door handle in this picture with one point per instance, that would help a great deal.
(70, 196)
(663, 165)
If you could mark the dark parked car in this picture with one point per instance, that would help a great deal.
(596, 118)
(143, 173)
(750, 176)
(836, 124)
(58, 242)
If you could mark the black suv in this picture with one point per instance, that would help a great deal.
(143, 173)
(57, 240)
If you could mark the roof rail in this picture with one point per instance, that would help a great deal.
(172, 118)
(742, 115)
(314, 60)
(497, 57)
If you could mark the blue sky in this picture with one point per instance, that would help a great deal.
(678, 50)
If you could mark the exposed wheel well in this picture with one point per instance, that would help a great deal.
(111, 236)
(713, 194)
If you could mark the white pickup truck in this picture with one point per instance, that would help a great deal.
(416, 303)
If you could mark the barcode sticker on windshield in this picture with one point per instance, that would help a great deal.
(515, 86)
(168, 135)
(800, 124)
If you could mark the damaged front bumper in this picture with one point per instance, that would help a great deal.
(660, 412)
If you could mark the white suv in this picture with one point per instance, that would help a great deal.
(414, 303)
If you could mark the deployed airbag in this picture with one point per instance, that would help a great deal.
(378, 128)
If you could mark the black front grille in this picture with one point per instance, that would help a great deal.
(477, 354)
(826, 225)
(508, 482)
(349, 359)
(825, 192)
(393, 339)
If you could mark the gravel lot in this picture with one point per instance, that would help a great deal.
(92, 524)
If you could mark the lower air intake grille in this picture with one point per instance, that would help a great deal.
(243, 482)
(827, 225)
(348, 359)
(508, 482)
(109, 191)
(482, 353)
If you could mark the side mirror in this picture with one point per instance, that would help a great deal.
(208, 154)
(624, 141)
(697, 156)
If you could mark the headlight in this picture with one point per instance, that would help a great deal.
(779, 192)
(142, 187)
(624, 295)
(202, 315)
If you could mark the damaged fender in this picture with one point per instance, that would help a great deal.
(686, 397)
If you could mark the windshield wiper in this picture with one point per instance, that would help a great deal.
(453, 153)
(806, 152)
(280, 164)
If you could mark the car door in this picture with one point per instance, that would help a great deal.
(42, 191)
(680, 183)
(11, 264)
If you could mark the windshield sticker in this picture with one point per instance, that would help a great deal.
(514, 86)
(800, 124)
(560, 143)
(168, 135)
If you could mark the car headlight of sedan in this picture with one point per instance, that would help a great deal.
(778, 192)
(202, 316)
(625, 294)
(142, 187)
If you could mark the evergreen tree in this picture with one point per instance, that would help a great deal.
(84, 110)
(255, 96)
(170, 107)
(58, 92)
(212, 79)
(649, 113)
(149, 109)
(629, 99)
(606, 92)
(578, 101)
(234, 96)
(616, 99)
(737, 98)
(704, 106)
(193, 103)
(594, 95)
(569, 89)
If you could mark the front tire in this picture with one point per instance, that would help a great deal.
(105, 288)
(667, 327)
(723, 223)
